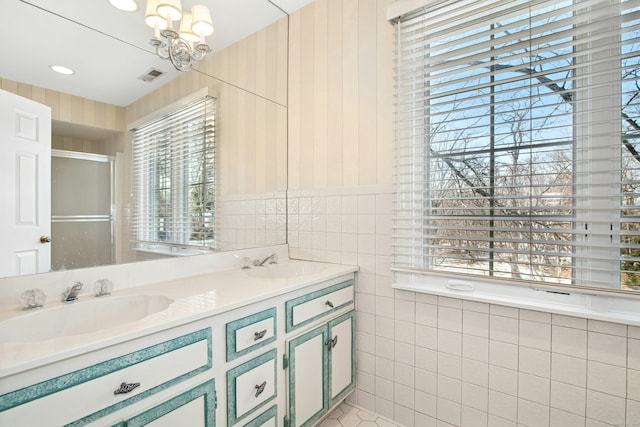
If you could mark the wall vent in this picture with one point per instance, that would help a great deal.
(151, 75)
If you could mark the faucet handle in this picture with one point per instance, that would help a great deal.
(274, 259)
(103, 287)
(32, 299)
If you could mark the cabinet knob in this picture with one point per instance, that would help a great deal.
(329, 303)
(126, 388)
(259, 335)
(260, 388)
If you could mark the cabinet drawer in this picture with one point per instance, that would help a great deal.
(250, 386)
(195, 407)
(315, 305)
(267, 419)
(89, 394)
(250, 333)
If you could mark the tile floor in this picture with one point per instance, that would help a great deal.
(346, 415)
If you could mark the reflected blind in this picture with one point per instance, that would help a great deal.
(174, 178)
(518, 141)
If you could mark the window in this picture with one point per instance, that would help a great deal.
(174, 180)
(518, 150)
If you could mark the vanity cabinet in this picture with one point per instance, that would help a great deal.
(97, 391)
(251, 386)
(250, 333)
(321, 369)
(284, 359)
(321, 360)
(268, 418)
(195, 408)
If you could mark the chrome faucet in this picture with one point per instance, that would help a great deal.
(261, 262)
(71, 294)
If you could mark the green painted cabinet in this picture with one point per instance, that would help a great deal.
(321, 369)
(195, 408)
(250, 386)
(111, 386)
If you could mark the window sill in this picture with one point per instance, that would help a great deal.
(171, 251)
(617, 309)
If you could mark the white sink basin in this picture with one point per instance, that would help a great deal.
(285, 270)
(80, 317)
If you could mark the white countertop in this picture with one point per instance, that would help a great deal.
(195, 297)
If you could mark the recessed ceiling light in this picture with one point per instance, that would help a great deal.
(126, 5)
(62, 70)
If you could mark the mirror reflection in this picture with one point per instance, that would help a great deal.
(97, 206)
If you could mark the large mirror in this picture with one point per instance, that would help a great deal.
(120, 84)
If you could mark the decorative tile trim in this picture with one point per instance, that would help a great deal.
(233, 374)
(72, 379)
(206, 390)
(271, 413)
(348, 389)
(301, 339)
(289, 305)
(232, 327)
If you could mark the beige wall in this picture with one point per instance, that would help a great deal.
(340, 95)
(423, 360)
(71, 108)
(341, 159)
(249, 80)
(106, 146)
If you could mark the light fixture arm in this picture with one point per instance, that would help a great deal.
(174, 46)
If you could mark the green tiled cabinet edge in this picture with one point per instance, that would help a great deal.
(289, 305)
(206, 390)
(72, 379)
(323, 330)
(269, 414)
(234, 373)
(232, 327)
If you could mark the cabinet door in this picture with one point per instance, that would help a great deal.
(308, 367)
(193, 408)
(341, 356)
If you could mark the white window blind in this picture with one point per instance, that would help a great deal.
(174, 179)
(518, 141)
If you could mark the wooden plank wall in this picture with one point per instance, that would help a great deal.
(340, 95)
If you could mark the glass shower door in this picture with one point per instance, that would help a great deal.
(81, 210)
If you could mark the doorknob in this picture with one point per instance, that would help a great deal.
(45, 239)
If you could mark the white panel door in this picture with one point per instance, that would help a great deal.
(341, 356)
(307, 370)
(25, 173)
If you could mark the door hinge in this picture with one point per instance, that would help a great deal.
(215, 402)
(286, 421)
(285, 361)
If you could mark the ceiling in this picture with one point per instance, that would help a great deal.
(107, 48)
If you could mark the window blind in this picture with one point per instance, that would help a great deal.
(174, 179)
(518, 141)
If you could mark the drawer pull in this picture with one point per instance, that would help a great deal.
(330, 343)
(126, 388)
(260, 388)
(259, 335)
(329, 303)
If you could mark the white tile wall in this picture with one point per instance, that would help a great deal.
(251, 220)
(424, 360)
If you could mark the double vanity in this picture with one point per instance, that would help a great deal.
(271, 345)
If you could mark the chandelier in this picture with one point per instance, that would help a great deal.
(185, 46)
